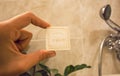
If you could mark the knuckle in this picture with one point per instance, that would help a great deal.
(29, 34)
(29, 13)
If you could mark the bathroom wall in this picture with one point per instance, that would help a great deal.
(86, 27)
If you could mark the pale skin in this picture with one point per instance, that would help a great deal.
(13, 39)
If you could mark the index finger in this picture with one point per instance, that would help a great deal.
(25, 19)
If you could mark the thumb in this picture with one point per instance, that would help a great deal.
(33, 58)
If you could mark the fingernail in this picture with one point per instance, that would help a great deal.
(52, 53)
(47, 26)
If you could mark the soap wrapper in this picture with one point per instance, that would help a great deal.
(58, 38)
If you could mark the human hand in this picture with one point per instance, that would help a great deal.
(13, 39)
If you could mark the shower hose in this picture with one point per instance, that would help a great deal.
(100, 57)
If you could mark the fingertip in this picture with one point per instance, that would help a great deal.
(52, 53)
(47, 25)
(45, 54)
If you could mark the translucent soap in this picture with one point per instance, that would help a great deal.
(58, 38)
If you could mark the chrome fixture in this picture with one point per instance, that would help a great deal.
(112, 41)
(105, 14)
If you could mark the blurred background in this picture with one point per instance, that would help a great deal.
(86, 27)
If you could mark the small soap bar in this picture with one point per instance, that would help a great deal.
(58, 38)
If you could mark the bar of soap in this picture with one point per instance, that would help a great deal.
(58, 38)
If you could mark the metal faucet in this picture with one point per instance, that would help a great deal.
(112, 41)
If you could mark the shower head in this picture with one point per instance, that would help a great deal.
(105, 12)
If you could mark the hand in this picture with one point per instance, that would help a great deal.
(13, 39)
